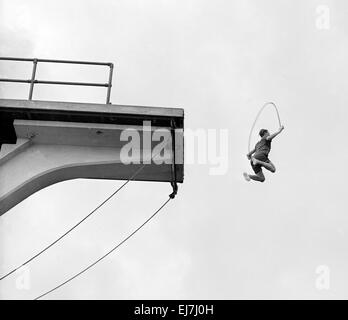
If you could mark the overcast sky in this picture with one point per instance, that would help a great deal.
(221, 238)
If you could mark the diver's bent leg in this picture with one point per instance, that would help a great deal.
(258, 177)
(267, 165)
(272, 166)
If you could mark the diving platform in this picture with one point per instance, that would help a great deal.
(46, 142)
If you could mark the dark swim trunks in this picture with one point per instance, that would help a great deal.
(259, 156)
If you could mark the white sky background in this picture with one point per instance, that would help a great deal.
(222, 238)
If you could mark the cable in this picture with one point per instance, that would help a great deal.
(257, 117)
(108, 253)
(76, 225)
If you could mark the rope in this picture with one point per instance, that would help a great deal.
(257, 118)
(76, 225)
(108, 253)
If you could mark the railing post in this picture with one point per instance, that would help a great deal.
(110, 83)
(32, 81)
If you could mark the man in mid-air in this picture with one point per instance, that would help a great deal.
(259, 156)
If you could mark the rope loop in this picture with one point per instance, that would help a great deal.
(258, 116)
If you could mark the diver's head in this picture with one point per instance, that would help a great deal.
(264, 133)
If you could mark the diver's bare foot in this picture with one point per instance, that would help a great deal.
(246, 176)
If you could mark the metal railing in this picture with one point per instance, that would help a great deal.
(34, 81)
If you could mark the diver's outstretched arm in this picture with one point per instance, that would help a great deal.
(272, 136)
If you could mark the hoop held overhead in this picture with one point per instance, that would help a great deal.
(257, 118)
